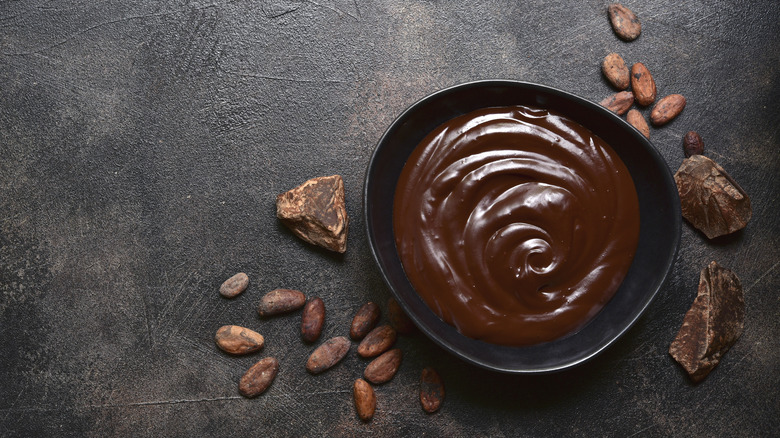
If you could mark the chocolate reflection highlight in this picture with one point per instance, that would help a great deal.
(515, 225)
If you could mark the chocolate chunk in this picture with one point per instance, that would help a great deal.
(315, 212)
(713, 323)
(710, 199)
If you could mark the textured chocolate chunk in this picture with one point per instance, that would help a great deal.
(315, 212)
(713, 323)
(710, 199)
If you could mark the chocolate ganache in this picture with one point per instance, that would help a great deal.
(515, 225)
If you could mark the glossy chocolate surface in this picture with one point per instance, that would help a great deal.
(515, 225)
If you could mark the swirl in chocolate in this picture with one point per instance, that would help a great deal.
(514, 224)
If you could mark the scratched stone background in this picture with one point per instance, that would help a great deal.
(143, 144)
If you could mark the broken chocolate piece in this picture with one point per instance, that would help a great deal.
(315, 212)
(710, 199)
(712, 324)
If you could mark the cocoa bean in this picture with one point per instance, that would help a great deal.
(693, 144)
(398, 318)
(637, 120)
(258, 378)
(328, 354)
(315, 212)
(312, 319)
(280, 301)
(616, 71)
(642, 84)
(619, 102)
(666, 109)
(384, 367)
(624, 21)
(365, 319)
(234, 285)
(377, 341)
(365, 399)
(234, 339)
(431, 390)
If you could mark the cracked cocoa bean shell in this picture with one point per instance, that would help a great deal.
(258, 378)
(281, 301)
(377, 341)
(712, 325)
(328, 354)
(312, 319)
(384, 367)
(238, 340)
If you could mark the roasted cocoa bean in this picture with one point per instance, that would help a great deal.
(234, 339)
(328, 354)
(384, 367)
(377, 341)
(431, 390)
(624, 21)
(312, 319)
(365, 399)
(666, 109)
(398, 318)
(234, 285)
(693, 144)
(642, 84)
(259, 377)
(616, 71)
(364, 321)
(637, 120)
(619, 102)
(280, 301)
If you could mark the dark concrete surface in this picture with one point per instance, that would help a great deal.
(143, 144)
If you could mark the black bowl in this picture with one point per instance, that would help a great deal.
(659, 235)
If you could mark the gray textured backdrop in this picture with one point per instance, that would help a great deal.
(143, 144)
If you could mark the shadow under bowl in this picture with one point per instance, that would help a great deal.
(659, 235)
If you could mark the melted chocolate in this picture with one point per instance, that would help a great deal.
(515, 225)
